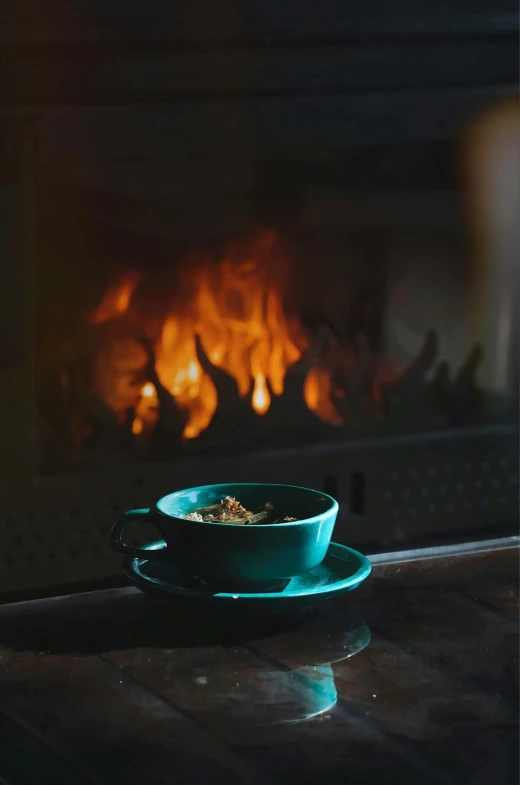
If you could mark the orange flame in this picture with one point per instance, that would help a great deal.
(179, 371)
(242, 328)
(146, 411)
(318, 393)
(235, 305)
(116, 299)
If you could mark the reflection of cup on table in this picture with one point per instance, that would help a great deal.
(296, 696)
(270, 696)
(315, 684)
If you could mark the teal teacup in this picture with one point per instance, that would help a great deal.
(230, 553)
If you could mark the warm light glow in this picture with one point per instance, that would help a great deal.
(492, 170)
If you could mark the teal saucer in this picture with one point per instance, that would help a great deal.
(342, 570)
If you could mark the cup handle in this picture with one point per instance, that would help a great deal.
(144, 516)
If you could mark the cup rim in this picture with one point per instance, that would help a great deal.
(334, 506)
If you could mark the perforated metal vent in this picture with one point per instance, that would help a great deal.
(452, 489)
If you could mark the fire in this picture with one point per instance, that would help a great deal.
(116, 299)
(137, 426)
(179, 370)
(148, 390)
(261, 400)
(318, 392)
(235, 306)
(146, 411)
(237, 311)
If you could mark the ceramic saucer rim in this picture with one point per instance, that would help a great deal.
(352, 581)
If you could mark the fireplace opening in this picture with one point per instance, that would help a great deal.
(216, 351)
(331, 309)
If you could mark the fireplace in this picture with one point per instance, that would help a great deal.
(286, 334)
(236, 281)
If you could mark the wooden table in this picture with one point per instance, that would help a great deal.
(411, 679)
